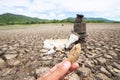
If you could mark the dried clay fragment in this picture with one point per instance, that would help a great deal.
(74, 53)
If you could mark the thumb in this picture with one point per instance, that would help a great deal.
(60, 70)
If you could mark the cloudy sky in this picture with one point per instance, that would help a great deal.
(59, 9)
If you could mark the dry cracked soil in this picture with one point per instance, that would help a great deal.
(21, 57)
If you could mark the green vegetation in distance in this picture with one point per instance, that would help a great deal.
(11, 19)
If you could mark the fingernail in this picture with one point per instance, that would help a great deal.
(66, 64)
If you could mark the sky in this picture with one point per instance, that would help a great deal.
(60, 9)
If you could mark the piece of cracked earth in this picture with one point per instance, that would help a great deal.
(74, 53)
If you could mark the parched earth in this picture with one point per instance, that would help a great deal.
(22, 56)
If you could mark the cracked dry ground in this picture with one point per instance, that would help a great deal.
(21, 57)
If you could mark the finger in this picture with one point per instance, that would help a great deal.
(57, 72)
(74, 66)
(67, 79)
(60, 70)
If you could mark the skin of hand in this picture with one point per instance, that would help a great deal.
(59, 71)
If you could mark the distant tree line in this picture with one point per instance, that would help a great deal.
(11, 19)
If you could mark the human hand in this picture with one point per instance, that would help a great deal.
(59, 71)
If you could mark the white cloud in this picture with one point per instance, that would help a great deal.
(60, 9)
(41, 6)
(61, 16)
(52, 14)
(7, 3)
(43, 16)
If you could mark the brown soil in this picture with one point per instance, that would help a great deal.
(21, 59)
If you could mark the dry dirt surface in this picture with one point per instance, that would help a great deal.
(21, 57)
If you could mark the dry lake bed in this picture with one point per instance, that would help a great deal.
(21, 57)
